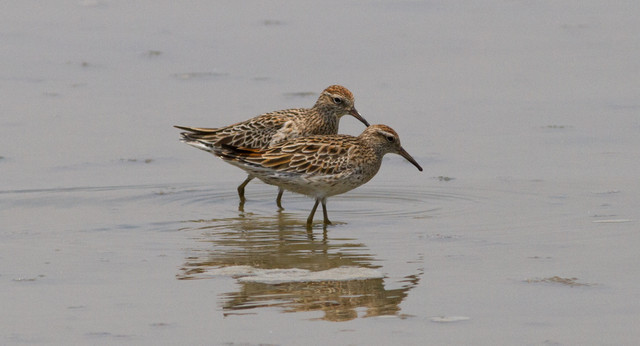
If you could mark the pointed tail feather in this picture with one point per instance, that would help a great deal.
(198, 130)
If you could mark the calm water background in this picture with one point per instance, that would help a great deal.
(523, 229)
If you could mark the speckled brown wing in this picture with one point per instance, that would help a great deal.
(254, 133)
(319, 155)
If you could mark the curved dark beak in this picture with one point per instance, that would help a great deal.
(406, 155)
(357, 115)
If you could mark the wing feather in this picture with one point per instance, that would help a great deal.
(317, 155)
(253, 133)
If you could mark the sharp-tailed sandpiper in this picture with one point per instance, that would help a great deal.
(317, 166)
(269, 129)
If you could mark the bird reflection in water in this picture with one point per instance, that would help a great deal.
(273, 243)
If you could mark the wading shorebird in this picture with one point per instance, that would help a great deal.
(272, 128)
(317, 166)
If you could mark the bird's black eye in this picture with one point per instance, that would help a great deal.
(337, 100)
(390, 139)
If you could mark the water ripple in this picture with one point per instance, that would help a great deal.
(374, 202)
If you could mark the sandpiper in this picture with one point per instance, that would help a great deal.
(269, 129)
(317, 166)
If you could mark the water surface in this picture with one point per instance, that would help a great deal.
(523, 228)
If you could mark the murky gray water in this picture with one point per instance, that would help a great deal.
(523, 229)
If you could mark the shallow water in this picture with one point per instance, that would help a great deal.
(523, 228)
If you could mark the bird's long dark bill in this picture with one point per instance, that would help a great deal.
(357, 115)
(406, 155)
